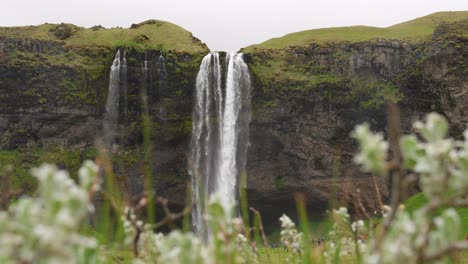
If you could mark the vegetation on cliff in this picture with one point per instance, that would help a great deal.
(279, 76)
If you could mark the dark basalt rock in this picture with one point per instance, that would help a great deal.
(300, 135)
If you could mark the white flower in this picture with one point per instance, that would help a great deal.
(373, 149)
(87, 173)
(290, 237)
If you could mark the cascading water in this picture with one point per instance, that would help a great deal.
(145, 84)
(233, 146)
(162, 84)
(123, 83)
(112, 105)
(161, 68)
(219, 146)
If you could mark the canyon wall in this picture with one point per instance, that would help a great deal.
(306, 100)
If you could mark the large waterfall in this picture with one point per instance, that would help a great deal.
(219, 143)
(112, 105)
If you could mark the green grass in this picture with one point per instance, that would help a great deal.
(280, 256)
(318, 229)
(413, 30)
(152, 34)
(277, 256)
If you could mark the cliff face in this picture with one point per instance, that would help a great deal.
(54, 91)
(306, 100)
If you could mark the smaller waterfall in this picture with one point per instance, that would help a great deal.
(162, 85)
(145, 84)
(161, 68)
(112, 105)
(123, 83)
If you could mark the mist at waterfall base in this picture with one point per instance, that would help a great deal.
(220, 134)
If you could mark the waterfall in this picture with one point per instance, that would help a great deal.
(235, 106)
(162, 84)
(145, 85)
(112, 105)
(161, 68)
(219, 146)
(123, 83)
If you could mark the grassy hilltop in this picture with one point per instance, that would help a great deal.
(151, 34)
(413, 30)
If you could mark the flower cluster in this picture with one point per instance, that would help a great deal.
(441, 162)
(177, 247)
(373, 149)
(345, 238)
(409, 234)
(45, 228)
(225, 242)
(248, 254)
(290, 237)
(441, 165)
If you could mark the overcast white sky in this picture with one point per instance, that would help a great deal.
(225, 24)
